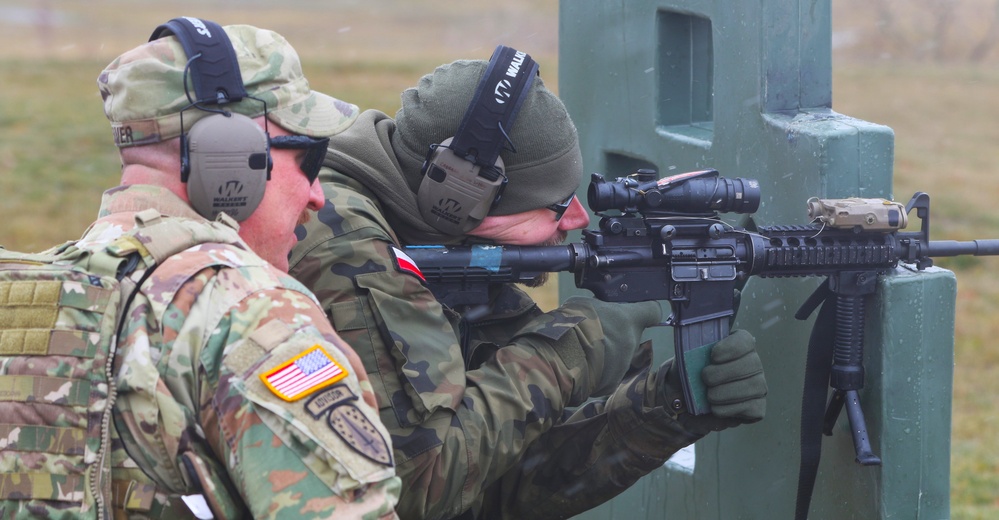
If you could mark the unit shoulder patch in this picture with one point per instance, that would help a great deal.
(350, 423)
(360, 433)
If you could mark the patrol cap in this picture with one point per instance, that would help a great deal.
(143, 90)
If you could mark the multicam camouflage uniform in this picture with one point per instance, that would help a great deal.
(199, 409)
(476, 408)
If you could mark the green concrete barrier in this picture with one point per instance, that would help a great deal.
(745, 87)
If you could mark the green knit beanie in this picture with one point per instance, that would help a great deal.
(547, 166)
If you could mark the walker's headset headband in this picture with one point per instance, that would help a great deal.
(463, 177)
(225, 157)
(215, 74)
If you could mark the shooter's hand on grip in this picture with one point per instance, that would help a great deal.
(736, 386)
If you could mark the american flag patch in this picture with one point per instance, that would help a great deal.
(304, 374)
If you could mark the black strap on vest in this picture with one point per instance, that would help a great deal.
(215, 74)
(486, 124)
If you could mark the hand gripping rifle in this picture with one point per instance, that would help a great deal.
(664, 241)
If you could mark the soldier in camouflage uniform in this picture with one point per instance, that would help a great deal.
(484, 406)
(203, 423)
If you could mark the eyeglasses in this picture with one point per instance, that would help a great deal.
(560, 207)
(315, 151)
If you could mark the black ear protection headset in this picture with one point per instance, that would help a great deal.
(463, 176)
(225, 157)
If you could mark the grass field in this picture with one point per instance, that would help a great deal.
(56, 155)
(947, 148)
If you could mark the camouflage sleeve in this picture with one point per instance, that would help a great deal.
(290, 418)
(454, 431)
(597, 453)
(233, 382)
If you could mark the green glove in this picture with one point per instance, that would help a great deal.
(737, 388)
(622, 325)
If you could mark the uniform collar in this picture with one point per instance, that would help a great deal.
(134, 198)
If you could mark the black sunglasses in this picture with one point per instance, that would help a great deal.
(560, 207)
(315, 151)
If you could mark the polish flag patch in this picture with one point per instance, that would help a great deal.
(303, 374)
(406, 264)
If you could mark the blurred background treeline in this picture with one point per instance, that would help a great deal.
(925, 68)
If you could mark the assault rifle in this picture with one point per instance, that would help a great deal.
(665, 241)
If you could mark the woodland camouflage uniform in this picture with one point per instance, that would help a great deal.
(461, 426)
(479, 407)
(490, 410)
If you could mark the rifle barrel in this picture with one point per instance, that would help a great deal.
(937, 248)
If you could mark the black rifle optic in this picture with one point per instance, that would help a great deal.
(666, 242)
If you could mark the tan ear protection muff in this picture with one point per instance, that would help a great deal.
(463, 176)
(228, 161)
(225, 157)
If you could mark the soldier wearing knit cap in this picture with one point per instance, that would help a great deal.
(546, 166)
(481, 402)
(232, 395)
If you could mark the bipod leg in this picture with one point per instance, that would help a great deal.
(858, 426)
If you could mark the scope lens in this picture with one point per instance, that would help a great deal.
(603, 195)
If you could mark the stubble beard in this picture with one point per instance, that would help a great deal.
(304, 218)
